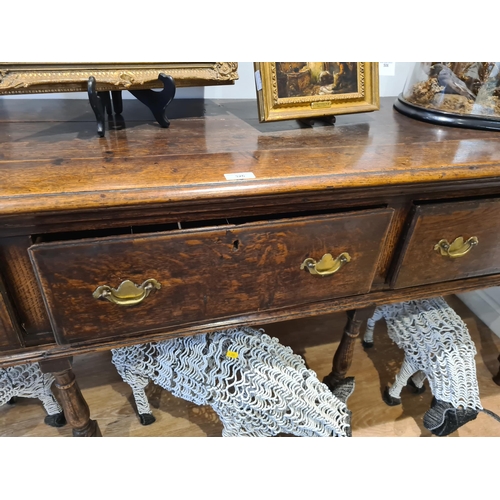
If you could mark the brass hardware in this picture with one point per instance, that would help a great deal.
(321, 104)
(456, 249)
(327, 265)
(128, 293)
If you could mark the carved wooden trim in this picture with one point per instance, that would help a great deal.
(343, 356)
(31, 78)
(76, 410)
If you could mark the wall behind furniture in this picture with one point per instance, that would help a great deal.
(244, 87)
(485, 304)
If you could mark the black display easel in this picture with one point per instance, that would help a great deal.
(157, 102)
(309, 122)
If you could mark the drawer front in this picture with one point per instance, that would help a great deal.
(449, 241)
(203, 274)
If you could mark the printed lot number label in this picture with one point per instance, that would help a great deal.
(239, 176)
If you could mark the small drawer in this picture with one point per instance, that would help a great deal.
(449, 241)
(191, 276)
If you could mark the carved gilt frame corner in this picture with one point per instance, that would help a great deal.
(34, 78)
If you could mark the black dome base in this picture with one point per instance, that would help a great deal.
(443, 118)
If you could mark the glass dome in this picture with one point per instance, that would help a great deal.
(461, 94)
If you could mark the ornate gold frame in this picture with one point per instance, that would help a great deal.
(272, 107)
(32, 78)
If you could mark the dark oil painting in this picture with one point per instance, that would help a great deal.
(316, 78)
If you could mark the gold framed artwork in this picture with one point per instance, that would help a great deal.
(33, 78)
(298, 90)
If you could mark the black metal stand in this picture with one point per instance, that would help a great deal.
(309, 122)
(157, 102)
(116, 99)
(96, 102)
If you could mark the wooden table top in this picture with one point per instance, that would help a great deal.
(52, 160)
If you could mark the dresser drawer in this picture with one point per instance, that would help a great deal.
(449, 241)
(192, 276)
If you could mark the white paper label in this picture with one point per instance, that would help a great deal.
(387, 68)
(258, 80)
(239, 176)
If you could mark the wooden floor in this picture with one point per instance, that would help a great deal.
(315, 339)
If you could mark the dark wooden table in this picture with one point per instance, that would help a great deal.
(386, 197)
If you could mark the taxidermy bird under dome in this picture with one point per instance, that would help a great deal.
(460, 94)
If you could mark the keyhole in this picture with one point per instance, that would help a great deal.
(236, 244)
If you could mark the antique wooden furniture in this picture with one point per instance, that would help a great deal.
(219, 221)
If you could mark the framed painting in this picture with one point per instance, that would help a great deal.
(298, 90)
(32, 78)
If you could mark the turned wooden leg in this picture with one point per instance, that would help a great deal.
(76, 409)
(496, 378)
(343, 356)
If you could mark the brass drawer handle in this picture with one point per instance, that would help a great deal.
(327, 265)
(456, 249)
(128, 293)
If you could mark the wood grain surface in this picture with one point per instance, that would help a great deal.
(23, 288)
(205, 273)
(57, 166)
(10, 335)
(419, 263)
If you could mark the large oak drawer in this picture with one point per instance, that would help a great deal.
(204, 273)
(450, 240)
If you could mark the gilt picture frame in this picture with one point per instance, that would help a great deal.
(35, 78)
(303, 90)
